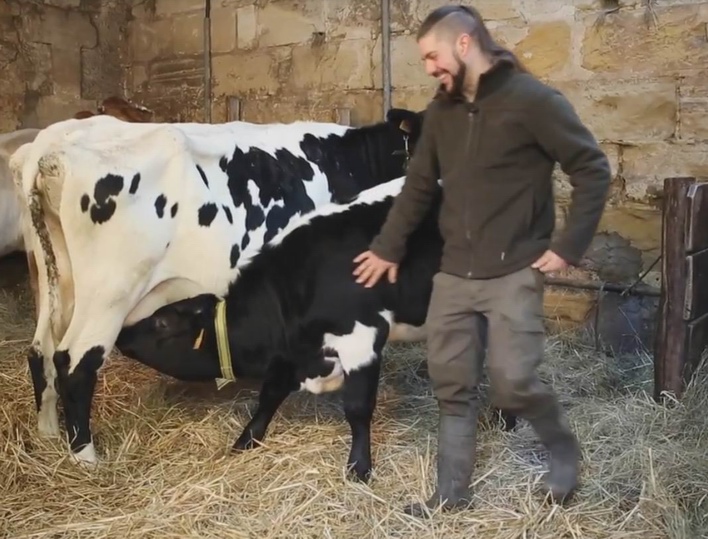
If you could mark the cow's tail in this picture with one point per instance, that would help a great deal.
(42, 181)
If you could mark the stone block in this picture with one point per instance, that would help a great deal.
(252, 72)
(407, 69)
(66, 69)
(546, 49)
(223, 30)
(489, 9)
(412, 98)
(563, 188)
(353, 20)
(693, 99)
(645, 167)
(188, 33)
(67, 29)
(639, 223)
(64, 4)
(630, 110)
(177, 73)
(246, 26)
(38, 68)
(624, 43)
(365, 105)
(171, 7)
(151, 39)
(286, 22)
(403, 16)
(100, 74)
(545, 10)
(342, 64)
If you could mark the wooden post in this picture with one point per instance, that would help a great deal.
(682, 330)
(233, 109)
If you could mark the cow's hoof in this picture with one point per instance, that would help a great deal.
(86, 457)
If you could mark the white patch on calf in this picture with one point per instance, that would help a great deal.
(356, 350)
(325, 384)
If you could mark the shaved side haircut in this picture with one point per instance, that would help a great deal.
(448, 22)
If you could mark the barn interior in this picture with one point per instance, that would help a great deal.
(637, 73)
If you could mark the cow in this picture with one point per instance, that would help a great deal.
(128, 217)
(120, 108)
(295, 317)
(10, 211)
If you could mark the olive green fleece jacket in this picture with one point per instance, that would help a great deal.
(495, 158)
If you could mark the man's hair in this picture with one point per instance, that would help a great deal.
(453, 20)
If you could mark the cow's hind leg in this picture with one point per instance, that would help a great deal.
(278, 384)
(360, 353)
(44, 374)
(95, 324)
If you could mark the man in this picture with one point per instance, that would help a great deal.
(492, 135)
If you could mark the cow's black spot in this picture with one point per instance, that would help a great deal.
(160, 203)
(203, 175)
(207, 213)
(229, 217)
(235, 254)
(85, 201)
(245, 241)
(134, 184)
(104, 206)
(278, 178)
(173, 209)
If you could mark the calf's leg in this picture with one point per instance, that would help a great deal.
(360, 390)
(360, 354)
(278, 384)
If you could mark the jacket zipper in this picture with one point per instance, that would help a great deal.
(468, 232)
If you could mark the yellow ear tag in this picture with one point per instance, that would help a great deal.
(198, 341)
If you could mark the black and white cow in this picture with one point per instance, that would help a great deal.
(123, 218)
(297, 319)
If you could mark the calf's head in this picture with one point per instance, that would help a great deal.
(179, 329)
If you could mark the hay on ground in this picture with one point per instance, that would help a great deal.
(166, 471)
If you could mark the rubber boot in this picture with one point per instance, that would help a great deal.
(457, 444)
(553, 429)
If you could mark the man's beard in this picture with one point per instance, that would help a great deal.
(458, 81)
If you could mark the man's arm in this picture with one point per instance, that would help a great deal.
(561, 133)
(415, 197)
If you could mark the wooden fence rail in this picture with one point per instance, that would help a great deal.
(682, 329)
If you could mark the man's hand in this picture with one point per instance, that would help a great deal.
(371, 268)
(549, 262)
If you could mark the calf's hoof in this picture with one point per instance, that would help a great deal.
(425, 509)
(246, 442)
(358, 473)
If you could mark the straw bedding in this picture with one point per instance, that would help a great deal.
(166, 471)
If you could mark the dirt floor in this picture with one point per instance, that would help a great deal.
(166, 471)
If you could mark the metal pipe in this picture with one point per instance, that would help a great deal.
(386, 54)
(640, 289)
(207, 61)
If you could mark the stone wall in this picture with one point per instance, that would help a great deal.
(58, 57)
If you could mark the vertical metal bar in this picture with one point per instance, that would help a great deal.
(386, 54)
(207, 61)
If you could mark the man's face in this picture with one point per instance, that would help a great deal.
(443, 62)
